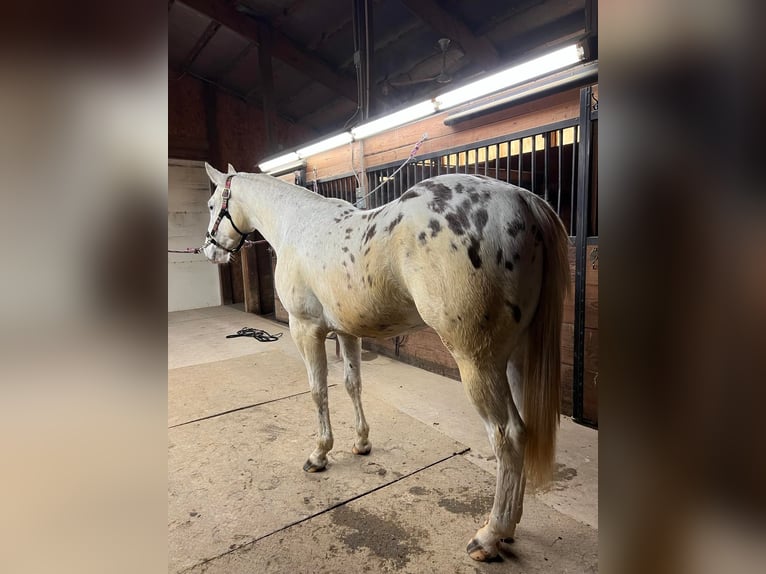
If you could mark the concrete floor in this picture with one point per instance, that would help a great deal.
(241, 423)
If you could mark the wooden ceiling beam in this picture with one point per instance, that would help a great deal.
(207, 35)
(442, 22)
(283, 48)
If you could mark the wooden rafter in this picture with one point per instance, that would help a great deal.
(447, 25)
(282, 47)
(207, 35)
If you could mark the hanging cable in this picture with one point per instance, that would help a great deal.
(406, 161)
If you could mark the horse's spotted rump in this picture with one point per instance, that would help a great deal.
(515, 227)
(441, 196)
(370, 233)
(411, 194)
(473, 253)
(480, 218)
(394, 223)
(458, 222)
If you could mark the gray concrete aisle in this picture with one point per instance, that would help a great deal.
(241, 424)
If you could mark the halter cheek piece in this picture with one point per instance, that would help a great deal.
(224, 212)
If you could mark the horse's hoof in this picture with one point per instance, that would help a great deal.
(478, 552)
(311, 467)
(362, 452)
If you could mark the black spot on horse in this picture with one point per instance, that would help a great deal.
(411, 194)
(365, 215)
(374, 214)
(509, 266)
(516, 256)
(394, 223)
(459, 188)
(370, 233)
(480, 218)
(441, 196)
(515, 310)
(454, 247)
(349, 230)
(344, 264)
(435, 227)
(457, 221)
(351, 256)
(515, 227)
(474, 196)
(473, 253)
(422, 237)
(345, 250)
(337, 219)
(369, 280)
(366, 251)
(499, 257)
(486, 317)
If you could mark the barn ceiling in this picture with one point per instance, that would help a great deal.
(417, 49)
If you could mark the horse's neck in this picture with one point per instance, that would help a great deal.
(277, 208)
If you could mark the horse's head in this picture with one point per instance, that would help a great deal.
(225, 233)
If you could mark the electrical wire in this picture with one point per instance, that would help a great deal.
(415, 149)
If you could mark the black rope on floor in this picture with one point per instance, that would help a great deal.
(257, 334)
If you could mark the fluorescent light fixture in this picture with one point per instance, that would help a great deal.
(325, 144)
(540, 66)
(396, 119)
(269, 165)
(515, 75)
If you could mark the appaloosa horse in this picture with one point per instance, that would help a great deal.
(482, 262)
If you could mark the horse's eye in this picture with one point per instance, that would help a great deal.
(210, 207)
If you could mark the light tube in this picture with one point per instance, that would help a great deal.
(515, 75)
(396, 119)
(325, 144)
(278, 161)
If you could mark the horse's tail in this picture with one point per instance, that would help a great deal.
(542, 364)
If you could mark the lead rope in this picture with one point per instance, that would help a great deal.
(406, 161)
(247, 244)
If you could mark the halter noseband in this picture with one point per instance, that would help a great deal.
(224, 212)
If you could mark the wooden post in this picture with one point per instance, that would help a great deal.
(250, 280)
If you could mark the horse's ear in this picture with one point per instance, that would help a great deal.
(231, 169)
(215, 176)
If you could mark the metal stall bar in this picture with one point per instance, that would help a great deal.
(583, 187)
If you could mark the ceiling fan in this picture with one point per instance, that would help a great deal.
(443, 77)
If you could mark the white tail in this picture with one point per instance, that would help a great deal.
(542, 364)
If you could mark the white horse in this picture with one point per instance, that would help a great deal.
(482, 262)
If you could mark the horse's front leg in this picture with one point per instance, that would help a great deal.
(309, 339)
(352, 363)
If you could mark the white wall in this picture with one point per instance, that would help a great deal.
(192, 280)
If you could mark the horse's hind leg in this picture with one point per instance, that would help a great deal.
(488, 388)
(352, 359)
(310, 342)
